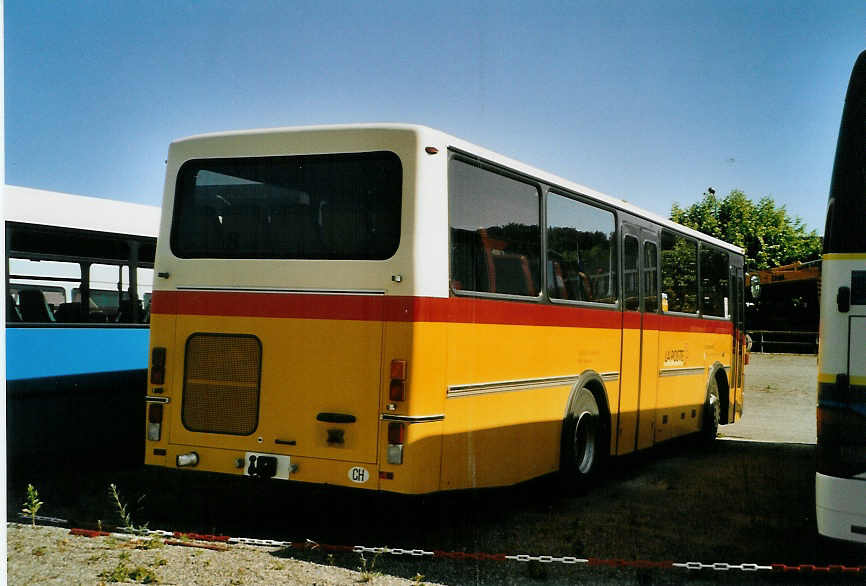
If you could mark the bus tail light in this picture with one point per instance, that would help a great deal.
(157, 366)
(154, 421)
(396, 438)
(399, 374)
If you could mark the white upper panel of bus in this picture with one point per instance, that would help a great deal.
(441, 140)
(51, 208)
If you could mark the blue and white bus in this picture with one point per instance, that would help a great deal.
(840, 482)
(79, 273)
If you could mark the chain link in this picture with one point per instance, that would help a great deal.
(392, 551)
(546, 559)
(722, 567)
(43, 519)
(261, 542)
(459, 555)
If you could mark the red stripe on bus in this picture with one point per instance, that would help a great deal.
(417, 309)
(676, 323)
(306, 306)
(495, 311)
(631, 320)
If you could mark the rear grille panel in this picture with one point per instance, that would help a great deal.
(221, 383)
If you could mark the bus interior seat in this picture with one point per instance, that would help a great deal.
(98, 317)
(124, 312)
(69, 312)
(13, 314)
(33, 306)
(508, 272)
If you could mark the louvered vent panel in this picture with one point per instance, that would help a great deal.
(221, 383)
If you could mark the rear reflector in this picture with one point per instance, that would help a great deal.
(154, 413)
(396, 433)
(399, 374)
(397, 390)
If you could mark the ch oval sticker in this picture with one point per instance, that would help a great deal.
(359, 475)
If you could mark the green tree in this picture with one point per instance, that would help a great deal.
(769, 235)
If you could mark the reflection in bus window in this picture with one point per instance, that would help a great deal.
(714, 281)
(679, 272)
(651, 277)
(495, 244)
(581, 256)
(631, 277)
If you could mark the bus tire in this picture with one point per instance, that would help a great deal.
(712, 407)
(584, 441)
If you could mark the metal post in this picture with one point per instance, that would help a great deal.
(133, 279)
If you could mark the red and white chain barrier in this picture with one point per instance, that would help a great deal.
(180, 538)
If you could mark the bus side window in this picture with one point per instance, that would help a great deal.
(494, 220)
(580, 239)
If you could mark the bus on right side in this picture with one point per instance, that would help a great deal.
(840, 479)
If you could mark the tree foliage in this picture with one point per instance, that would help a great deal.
(768, 234)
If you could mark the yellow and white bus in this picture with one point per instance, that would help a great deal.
(840, 480)
(392, 308)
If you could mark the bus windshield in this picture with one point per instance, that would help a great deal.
(343, 206)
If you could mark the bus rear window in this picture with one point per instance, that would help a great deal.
(343, 206)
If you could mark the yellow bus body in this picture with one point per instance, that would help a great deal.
(490, 378)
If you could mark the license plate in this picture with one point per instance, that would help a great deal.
(261, 465)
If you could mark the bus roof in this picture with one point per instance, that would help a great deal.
(441, 139)
(64, 210)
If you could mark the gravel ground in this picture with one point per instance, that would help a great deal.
(739, 502)
(779, 406)
(49, 555)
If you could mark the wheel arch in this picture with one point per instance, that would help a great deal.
(594, 383)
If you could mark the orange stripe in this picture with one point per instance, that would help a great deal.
(418, 309)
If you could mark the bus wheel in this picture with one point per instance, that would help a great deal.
(711, 413)
(583, 440)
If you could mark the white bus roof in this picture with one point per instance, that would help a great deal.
(64, 210)
(438, 138)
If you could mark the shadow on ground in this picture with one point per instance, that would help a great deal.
(736, 502)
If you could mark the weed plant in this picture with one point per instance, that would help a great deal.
(32, 504)
(125, 516)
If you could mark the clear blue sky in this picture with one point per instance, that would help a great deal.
(648, 101)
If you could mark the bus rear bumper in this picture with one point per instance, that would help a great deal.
(840, 507)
